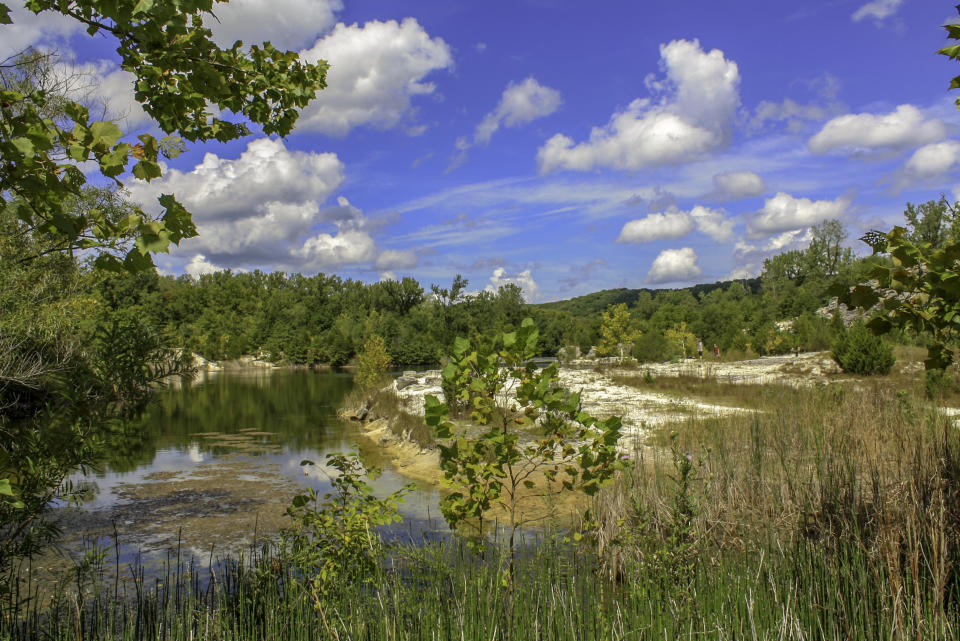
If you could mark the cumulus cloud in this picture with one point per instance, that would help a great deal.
(902, 128)
(714, 223)
(674, 223)
(798, 116)
(784, 212)
(738, 184)
(700, 97)
(520, 103)
(877, 9)
(669, 224)
(674, 265)
(200, 265)
(375, 72)
(750, 256)
(524, 280)
(287, 24)
(255, 208)
(930, 162)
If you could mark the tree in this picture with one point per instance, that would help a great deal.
(68, 373)
(935, 222)
(536, 439)
(372, 363)
(614, 330)
(918, 289)
(178, 70)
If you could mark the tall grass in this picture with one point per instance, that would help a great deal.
(832, 513)
(856, 487)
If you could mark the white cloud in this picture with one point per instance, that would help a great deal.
(105, 86)
(713, 223)
(674, 265)
(674, 223)
(44, 30)
(519, 104)
(287, 24)
(375, 71)
(934, 160)
(695, 116)
(391, 259)
(877, 9)
(929, 163)
(738, 184)
(669, 224)
(796, 116)
(524, 280)
(346, 247)
(905, 127)
(256, 206)
(200, 265)
(783, 212)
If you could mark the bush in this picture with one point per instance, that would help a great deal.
(373, 362)
(653, 347)
(858, 351)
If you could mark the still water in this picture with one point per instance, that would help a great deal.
(211, 466)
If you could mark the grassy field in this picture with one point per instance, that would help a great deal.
(831, 513)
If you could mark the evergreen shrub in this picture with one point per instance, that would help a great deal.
(858, 351)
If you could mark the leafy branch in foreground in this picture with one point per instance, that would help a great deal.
(917, 290)
(178, 70)
(536, 439)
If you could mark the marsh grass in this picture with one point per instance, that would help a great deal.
(861, 480)
(831, 513)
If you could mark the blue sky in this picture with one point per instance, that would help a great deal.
(564, 146)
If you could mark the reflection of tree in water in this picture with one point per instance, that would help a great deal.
(296, 406)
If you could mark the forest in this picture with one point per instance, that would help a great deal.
(323, 319)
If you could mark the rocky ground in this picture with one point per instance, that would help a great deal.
(643, 409)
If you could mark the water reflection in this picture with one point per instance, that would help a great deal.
(214, 463)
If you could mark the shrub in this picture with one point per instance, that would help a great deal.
(858, 351)
(372, 363)
(653, 347)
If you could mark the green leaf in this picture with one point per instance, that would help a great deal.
(23, 145)
(143, 6)
(105, 132)
(5, 14)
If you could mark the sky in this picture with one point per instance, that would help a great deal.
(559, 145)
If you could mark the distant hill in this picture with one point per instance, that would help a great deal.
(591, 304)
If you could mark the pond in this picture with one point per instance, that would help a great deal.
(210, 468)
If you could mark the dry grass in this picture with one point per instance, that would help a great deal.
(866, 463)
(708, 390)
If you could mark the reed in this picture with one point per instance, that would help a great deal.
(831, 513)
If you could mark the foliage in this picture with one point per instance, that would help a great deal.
(858, 351)
(332, 539)
(667, 548)
(614, 330)
(179, 72)
(953, 51)
(536, 438)
(653, 347)
(372, 363)
(681, 338)
(917, 290)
